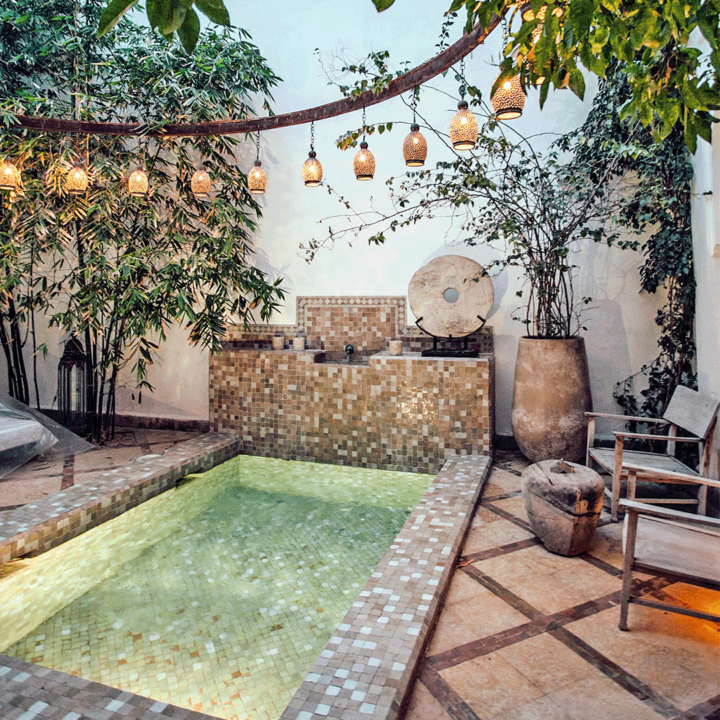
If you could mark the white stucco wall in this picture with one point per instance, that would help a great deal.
(706, 250)
(621, 334)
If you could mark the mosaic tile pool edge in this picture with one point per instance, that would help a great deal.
(367, 669)
(35, 528)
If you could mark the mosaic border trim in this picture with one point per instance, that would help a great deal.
(399, 302)
(37, 527)
(367, 668)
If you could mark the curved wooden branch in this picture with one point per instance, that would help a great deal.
(404, 83)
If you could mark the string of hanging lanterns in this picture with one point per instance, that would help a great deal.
(507, 101)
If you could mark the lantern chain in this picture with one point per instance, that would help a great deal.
(413, 105)
(257, 146)
(312, 136)
(363, 125)
(462, 78)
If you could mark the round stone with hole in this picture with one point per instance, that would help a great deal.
(450, 297)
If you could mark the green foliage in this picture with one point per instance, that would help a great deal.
(664, 172)
(168, 17)
(119, 270)
(672, 81)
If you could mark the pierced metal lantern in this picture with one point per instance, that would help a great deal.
(200, 184)
(312, 172)
(364, 163)
(9, 176)
(509, 99)
(138, 183)
(76, 181)
(415, 147)
(257, 179)
(72, 385)
(463, 128)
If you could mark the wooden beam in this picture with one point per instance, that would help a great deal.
(404, 83)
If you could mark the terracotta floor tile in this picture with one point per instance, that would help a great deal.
(20, 492)
(543, 708)
(678, 656)
(607, 544)
(600, 698)
(472, 619)
(489, 530)
(515, 506)
(490, 685)
(463, 588)
(546, 663)
(548, 582)
(423, 706)
(501, 482)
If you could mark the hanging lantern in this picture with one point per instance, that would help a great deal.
(463, 128)
(200, 184)
(415, 147)
(138, 183)
(312, 171)
(364, 163)
(509, 99)
(9, 176)
(257, 179)
(76, 181)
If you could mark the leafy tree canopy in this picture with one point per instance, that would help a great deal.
(673, 75)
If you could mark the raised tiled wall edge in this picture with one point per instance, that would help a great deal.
(36, 528)
(367, 669)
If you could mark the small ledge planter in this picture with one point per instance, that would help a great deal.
(550, 398)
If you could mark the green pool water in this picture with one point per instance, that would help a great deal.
(217, 596)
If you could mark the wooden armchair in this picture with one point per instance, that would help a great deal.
(688, 410)
(672, 544)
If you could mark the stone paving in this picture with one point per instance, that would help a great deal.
(527, 635)
(40, 477)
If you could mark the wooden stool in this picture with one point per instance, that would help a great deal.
(563, 502)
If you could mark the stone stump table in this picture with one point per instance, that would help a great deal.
(563, 502)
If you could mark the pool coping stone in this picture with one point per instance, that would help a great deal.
(367, 669)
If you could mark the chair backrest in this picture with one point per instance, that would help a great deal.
(692, 411)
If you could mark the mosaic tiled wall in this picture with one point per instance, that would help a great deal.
(398, 413)
(329, 323)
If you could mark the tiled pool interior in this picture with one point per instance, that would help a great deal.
(217, 596)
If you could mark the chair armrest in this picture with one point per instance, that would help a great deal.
(655, 511)
(665, 438)
(629, 418)
(647, 470)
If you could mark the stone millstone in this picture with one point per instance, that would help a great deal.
(441, 317)
(563, 507)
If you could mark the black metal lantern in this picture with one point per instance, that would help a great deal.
(72, 385)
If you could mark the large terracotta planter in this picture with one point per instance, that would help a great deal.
(551, 396)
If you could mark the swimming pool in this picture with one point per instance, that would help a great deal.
(217, 596)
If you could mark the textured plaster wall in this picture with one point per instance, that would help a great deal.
(706, 249)
(621, 334)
